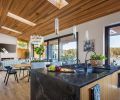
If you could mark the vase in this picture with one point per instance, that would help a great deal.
(96, 63)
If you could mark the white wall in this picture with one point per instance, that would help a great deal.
(96, 30)
(8, 40)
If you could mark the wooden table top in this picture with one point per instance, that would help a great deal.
(22, 65)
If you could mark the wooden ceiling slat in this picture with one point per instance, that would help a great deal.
(89, 16)
(43, 13)
(70, 15)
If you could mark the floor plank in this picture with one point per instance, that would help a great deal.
(14, 90)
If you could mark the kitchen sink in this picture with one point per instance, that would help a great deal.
(91, 70)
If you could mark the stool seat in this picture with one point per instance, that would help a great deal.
(12, 71)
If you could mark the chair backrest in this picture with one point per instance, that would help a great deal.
(36, 65)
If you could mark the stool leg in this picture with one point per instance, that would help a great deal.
(7, 79)
(28, 75)
(20, 72)
(23, 72)
(16, 77)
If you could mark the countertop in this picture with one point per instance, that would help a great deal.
(61, 86)
(76, 79)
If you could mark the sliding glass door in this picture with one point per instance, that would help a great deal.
(62, 48)
(53, 50)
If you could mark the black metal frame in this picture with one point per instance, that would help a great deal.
(58, 38)
(107, 42)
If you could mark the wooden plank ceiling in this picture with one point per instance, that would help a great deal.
(43, 14)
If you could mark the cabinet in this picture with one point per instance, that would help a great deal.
(108, 86)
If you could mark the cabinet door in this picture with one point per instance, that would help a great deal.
(85, 91)
(105, 86)
(114, 88)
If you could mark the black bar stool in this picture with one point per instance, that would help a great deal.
(9, 72)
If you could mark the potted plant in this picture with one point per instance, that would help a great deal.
(97, 59)
(38, 63)
(40, 50)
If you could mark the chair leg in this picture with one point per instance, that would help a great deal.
(16, 77)
(7, 79)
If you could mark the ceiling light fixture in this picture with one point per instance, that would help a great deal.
(74, 31)
(59, 3)
(9, 14)
(9, 29)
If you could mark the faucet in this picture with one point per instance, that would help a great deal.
(86, 60)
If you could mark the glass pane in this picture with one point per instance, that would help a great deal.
(68, 48)
(44, 56)
(22, 44)
(115, 45)
(53, 50)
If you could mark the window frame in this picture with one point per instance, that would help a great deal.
(107, 42)
(58, 38)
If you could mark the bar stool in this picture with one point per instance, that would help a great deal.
(9, 72)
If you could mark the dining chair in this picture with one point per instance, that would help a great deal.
(10, 71)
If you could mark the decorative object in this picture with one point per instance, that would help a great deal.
(3, 50)
(56, 25)
(59, 3)
(89, 45)
(36, 39)
(97, 59)
(74, 31)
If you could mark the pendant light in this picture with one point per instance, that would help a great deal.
(74, 31)
(56, 26)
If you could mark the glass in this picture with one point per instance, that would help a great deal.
(115, 46)
(68, 50)
(53, 50)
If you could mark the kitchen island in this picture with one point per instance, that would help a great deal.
(74, 86)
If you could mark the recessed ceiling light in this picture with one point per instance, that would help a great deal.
(9, 29)
(59, 3)
(20, 19)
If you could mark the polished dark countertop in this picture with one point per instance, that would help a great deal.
(75, 79)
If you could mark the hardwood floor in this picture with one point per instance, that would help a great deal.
(14, 90)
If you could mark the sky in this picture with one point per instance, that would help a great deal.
(115, 41)
(70, 45)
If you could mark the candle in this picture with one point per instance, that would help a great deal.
(87, 35)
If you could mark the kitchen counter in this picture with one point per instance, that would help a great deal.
(62, 86)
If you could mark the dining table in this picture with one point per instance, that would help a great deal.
(22, 66)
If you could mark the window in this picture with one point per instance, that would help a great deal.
(112, 44)
(68, 49)
(115, 45)
(22, 45)
(62, 48)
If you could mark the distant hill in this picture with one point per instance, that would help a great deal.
(115, 52)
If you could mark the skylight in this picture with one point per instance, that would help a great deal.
(59, 3)
(9, 29)
(9, 14)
